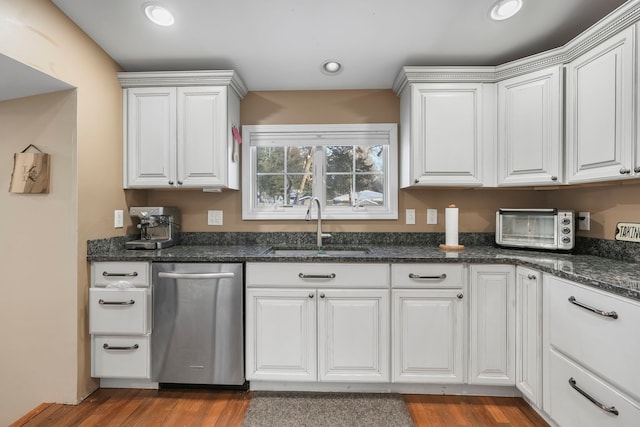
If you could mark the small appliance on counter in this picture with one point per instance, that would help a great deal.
(550, 229)
(158, 227)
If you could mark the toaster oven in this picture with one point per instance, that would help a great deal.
(550, 229)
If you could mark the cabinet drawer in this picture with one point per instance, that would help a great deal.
(318, 275)
(427, 275)
(105, 273)
(605, 345)
(119, 311)
(568, 407)
(120, 357)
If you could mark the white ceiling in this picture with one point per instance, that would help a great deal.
(280, 44)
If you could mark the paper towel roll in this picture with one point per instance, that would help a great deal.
(451, 226)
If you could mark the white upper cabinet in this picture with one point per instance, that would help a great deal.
(178, 129)
(530, 129)
(442, 133)
(601, 111)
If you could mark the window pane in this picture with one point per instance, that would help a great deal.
(299, 159)
(300, 190)
(270, 159)
(370, 190)
(339, 190)
(270, 190)
(370, 159)
(339, 158)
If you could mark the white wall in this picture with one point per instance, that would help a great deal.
(38, 253)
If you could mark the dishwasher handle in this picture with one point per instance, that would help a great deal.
(176, 275)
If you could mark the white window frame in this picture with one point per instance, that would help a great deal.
(320, 135)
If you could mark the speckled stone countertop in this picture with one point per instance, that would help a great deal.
(615, 276)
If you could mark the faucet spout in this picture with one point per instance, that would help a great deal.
(319, 234)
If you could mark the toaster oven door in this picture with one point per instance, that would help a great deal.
(534, 228)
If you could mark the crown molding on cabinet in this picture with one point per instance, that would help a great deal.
(623, 17)
(184, 78)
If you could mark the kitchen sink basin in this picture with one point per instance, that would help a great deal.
(319, 252)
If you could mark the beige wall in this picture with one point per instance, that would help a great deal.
(38, 321)
(36, 33)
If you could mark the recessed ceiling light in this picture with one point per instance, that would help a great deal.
(504, 9)
(331, 67)
(158, 15)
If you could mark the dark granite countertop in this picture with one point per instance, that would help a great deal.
(618, 277)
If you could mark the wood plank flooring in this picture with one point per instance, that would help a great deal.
(142, 408)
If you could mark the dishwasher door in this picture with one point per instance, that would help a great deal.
(197, 335)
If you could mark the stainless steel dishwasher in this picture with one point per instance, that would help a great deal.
(198, 329)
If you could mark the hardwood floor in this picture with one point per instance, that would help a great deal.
(141, 408)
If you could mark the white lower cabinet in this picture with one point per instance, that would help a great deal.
(120, 320)
(492, 324)
(315, 331)
(428, 336)
(529, 334)
(590, 345)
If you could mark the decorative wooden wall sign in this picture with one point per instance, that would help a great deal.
(30, 172)
(628, 231)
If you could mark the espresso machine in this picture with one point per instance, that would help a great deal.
(158, 227)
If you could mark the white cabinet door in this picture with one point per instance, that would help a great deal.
(492, 324)
(530, 129)
(445, 142)
(353, 335)
(202, 136)
(281, 332)
(150, 137)
(529, 334)
(601, 112)
(428, 336)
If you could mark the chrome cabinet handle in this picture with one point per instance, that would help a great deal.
(637, 169)
(317, 276)
(624, 171)
(106, 274)
(131, 347)
(531, 277)
(554, 178)
(103, 302)
(170, 182)
(180, 182)
(609, 409)
(311, 295)
(611, 314)
(176, 275)
(322, 296)
(460, 296)
(417, 276)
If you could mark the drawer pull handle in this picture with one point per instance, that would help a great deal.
(106, 274)
(609, 409)
(131, 347)
(531, 277)
(417, 276)
(611, 314)
(204, 276)
(103, 302)
(317, 276)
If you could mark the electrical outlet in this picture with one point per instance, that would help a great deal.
(584, 221)
(410, 216)
(432, 216)
(118, 218)
(214, 217)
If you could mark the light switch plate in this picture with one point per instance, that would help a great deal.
(432, 216)
(214, 217)
(118, 218)
(411, 216)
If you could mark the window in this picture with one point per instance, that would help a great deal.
(351, 169)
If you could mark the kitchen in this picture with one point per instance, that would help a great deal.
(87, 186)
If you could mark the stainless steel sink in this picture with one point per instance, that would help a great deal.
(321, 252)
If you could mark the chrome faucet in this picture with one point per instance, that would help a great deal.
(320, 234)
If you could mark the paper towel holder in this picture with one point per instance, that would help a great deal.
(446, 247)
